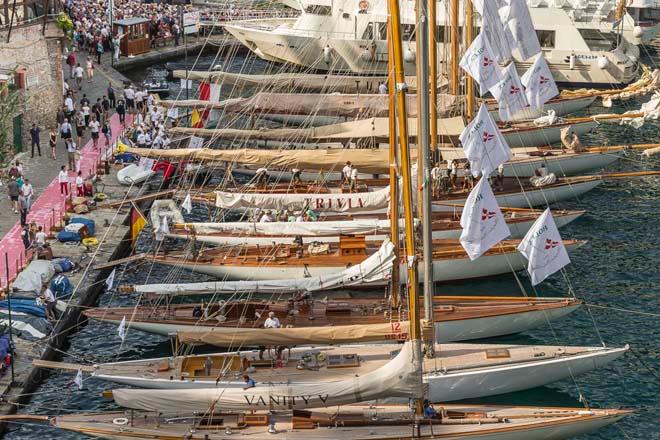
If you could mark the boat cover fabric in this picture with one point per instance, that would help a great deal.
(164, 208)
(371, 161)
(352, 202)
(305, 229)
(376, 268)
(400, 377)
(34, 276)
(377, 128)
(289, 336)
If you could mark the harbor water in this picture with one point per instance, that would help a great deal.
(617, 272)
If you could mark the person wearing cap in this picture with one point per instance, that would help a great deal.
(272, 321)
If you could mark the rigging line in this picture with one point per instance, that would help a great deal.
(653, 371)
(620, 309)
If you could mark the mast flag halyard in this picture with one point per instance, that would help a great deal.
(543, 248)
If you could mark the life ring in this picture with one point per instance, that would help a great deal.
(90, 241)
(279, 363)
(363, 5)
(120, 421)
(100, 196)
(321, 357)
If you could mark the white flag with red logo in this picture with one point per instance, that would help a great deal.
(498, 35)
(482, 221)
(509, 93)
(543, 248)
(515, 17)
(539, 84)
(483, 144)
(480, 63)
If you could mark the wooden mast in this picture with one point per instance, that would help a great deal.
(469, 37)
(411, 261)
(453, 55)
(394, 186)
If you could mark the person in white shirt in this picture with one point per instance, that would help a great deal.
(346, 173)
(66, 130)
(80, 187)
(71, 153)
(78, 73)
(95, 127)
(354, 179)
(436, 177)
(50, 301)
(40, 237)
(453, 175)
(272, 321)
(261, 176)
(266, 218)
(63, 179)
(68, 103)
(382, 88)
(142, 140)
(129, 96)
(27, 192)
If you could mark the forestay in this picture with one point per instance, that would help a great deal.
(401, 377)
(376, 268)
(353, 202)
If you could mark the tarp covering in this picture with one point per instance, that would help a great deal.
(377, 267)
(164, 208)
(332, 104)
(340, 334)
(297, 81)
(371, 161)
(34, 276)
(400, 377)
(351, 202)
(377, 128)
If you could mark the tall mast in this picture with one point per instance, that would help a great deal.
(453, 55)
(394, 185)
(402, 120)
(433, 72)
(422, 42)
(424, 162)
(469, 36)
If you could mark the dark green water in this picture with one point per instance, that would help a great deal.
(618, 268)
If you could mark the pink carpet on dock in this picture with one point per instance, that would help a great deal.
(48, 208)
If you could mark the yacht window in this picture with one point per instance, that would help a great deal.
(382, 31)
(318, 10)
(368, 32)
(647, 15)
(596, 40)
(408, 32)
(546, 38)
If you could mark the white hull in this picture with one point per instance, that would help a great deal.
(534, 197)
(443, 387)
(541, 136)
(449, 331)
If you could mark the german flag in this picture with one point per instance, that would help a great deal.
(138, 220)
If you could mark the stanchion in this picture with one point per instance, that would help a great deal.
(11, 334)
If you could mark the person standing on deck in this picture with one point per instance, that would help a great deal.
(50, 302)
(346, 173)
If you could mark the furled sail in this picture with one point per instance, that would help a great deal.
(371, 161)
(376, 268)
(400, 377)
(351, 202)
(305, 229)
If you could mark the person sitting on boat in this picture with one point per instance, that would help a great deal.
(296, 176)
(346, 173)
(429, 411)
(272, 321)
(542, 171)
(249, 382)
(266, 218)
(261, 176)
(576, 145)
(499, 178)
(542, 177)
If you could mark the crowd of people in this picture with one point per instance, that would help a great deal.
(93, 34)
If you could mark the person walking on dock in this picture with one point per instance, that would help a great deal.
(34, 138)
(63, 179)
(71, 61)
(95, 127)
(121, 111)
(111, 95)
(52, 142)
(13, 192)
(28, 191)
(79, 76)
(23, 207)
(89, 69)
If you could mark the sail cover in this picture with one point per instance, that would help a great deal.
(351, 202)
(376, 268)
(400, 377)
(305, 229)
(368, 160)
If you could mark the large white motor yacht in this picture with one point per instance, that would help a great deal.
(350, 37)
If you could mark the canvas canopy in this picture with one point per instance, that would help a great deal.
(376, 268)
(400, 377)
(351, 202)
